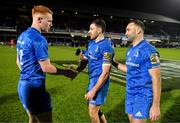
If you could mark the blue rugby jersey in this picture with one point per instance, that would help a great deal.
(139, 59)
(31, 48)
(98, 53)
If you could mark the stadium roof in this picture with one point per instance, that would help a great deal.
(123, 13)
(157, 10)
(168, 8)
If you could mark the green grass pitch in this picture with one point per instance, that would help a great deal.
(68, 100)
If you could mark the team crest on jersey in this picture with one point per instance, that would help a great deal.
(107, 56)
(154, 58)
(96, 49)
(136, 54)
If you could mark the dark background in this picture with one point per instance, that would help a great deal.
(169, 8)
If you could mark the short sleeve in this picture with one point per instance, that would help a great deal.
(107, 52)
(152, 59)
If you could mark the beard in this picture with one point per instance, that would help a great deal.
(93, 37)
(131, 38)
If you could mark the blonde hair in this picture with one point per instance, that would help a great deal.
(41, 9)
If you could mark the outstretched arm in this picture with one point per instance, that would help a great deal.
(119, 66)
(82, 65)
(47, 67)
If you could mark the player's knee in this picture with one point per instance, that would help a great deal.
(93, 113)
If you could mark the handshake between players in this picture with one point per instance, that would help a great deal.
(72, 73)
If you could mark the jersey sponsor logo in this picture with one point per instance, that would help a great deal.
(107, 56)
(92, 57)
(138, 114)
(132, 64)
(154, 58)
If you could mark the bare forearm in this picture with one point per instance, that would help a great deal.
(49, 68)
(122, 67)
(102, 78)
(119, 66)
(156, 83)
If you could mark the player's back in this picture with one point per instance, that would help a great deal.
(29, 44)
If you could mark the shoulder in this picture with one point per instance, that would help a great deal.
(23, 38)
(90, 42)
(105, 43)
(147, 47)
(24, 33)
(105, 46)
(149, 50)
(34, 34)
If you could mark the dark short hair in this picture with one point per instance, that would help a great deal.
(138, 23)
(100, 23)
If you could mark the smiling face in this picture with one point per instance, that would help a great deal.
(131, 32)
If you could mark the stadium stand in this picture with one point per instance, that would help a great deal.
(70, 27)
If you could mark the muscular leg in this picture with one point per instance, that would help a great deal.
(139, 121)
(93, 113)
(130, 117)
(132, 120)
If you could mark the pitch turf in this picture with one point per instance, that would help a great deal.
(68, 100)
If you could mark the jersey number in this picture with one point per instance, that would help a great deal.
(20, 53)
